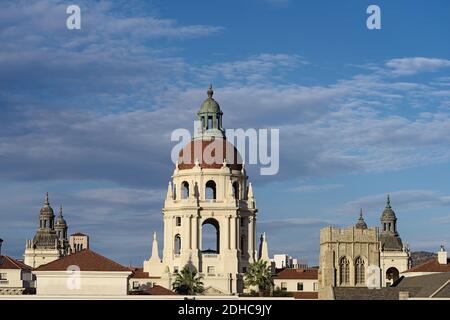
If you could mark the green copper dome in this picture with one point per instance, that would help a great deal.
(210, 105)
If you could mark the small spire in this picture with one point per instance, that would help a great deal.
(250, 195)
(360, 214)
(169, 191)
(388, 202)
(46, 202)
(60, 211)
(210, 91)
(154, 235)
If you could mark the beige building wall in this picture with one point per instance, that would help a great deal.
(309, 285)
(14, 281)
(37, 257)
(393, 259)
(62, 283)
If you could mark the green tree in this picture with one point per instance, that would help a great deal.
(187, 282)
(259, 274)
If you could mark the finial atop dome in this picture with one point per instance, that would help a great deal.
(361, 224)
(388, 202)
(60, 210)
(210, 91)
(46, 202)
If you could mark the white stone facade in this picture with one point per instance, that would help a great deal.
(233, 218)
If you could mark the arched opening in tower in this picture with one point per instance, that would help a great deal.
(392, 275)
(210, 236)
(177, 244)
(210, 190)
(185, 190)
(236, 189)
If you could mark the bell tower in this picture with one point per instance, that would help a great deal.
(209, 189)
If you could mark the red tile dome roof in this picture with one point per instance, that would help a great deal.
(210, 154)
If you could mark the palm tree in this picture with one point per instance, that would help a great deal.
(187, 282)
(259, 274)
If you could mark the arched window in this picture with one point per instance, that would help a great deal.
(360, 277)
(184, 190)
(177, 244)
(344, 271)
(236, 190)
(392, 275)
(210, 236)
(210, 122)
(210, 192)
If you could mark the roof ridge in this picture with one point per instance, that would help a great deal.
(422, 264)
(16, 263)
(86, 260)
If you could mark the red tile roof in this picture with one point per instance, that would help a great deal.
(10, 263)
(306, 295)
(140, 274)
(157, 290)
(297, 274)
(86, 260)
(431, 266)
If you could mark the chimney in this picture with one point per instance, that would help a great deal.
(442, 255)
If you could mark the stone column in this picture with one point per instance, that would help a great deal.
(237, 237)
(194, 226)
(251, 237)
(228, 232)
(233, 232)
(188, 231)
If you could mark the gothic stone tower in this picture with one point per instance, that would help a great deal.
(50, 241)
(209, 186)
(394, 256)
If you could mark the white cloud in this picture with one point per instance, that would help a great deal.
(256, 69)
(316, 187)
(414, 65)
(402, 200)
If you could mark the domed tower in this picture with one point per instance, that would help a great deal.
(45, 246)
(394, 256)
(361, 224)
(46, 237)
(390, 240)
(61, 231)
(209, 189)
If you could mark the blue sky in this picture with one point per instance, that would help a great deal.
(87, 114)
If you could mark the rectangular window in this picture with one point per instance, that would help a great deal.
(244, 269)
(211, 270)
(299, 286)
(135, 285)
(3, 276)
(178, 222)
(210, 123)
(315, 286)
(284, 286)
